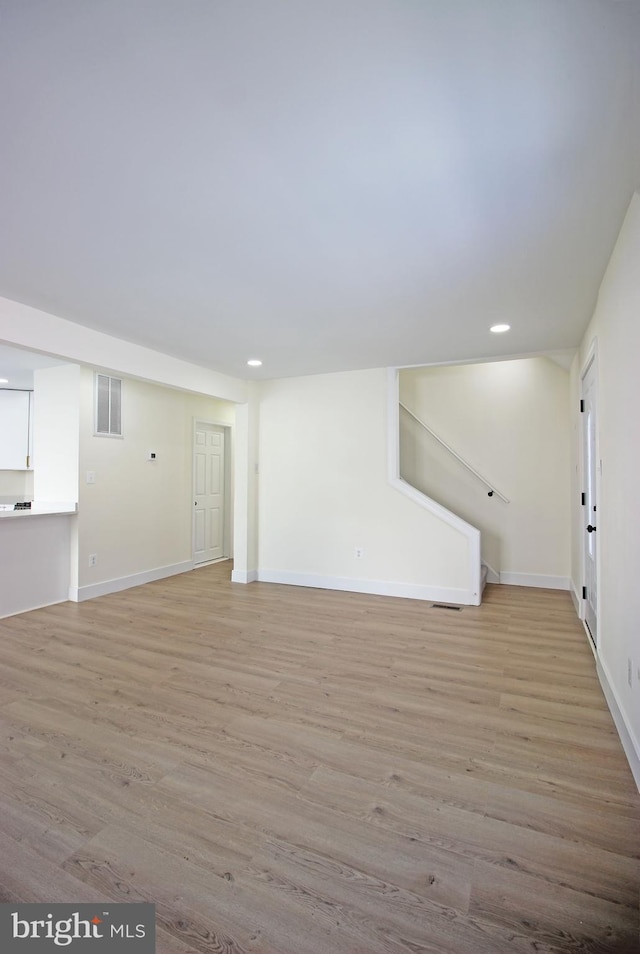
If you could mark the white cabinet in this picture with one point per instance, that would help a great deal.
(15, 430)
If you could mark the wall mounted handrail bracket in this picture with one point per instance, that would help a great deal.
(491, 487)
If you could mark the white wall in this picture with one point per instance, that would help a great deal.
(16, 485)
(34, 561)
(510, 420)
(324, 491)
(137, 516)
(616, 326)
(245, 551)
(56, 433)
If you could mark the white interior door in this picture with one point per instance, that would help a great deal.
(209, 493)
(589, 500)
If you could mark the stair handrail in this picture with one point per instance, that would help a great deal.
(492, 488)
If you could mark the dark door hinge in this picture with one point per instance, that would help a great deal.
(583, 498)
(584, 592)
(581, 407)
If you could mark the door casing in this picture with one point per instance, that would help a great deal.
(590, 482)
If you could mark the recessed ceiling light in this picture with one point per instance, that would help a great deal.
(498, 329)
(254, 362)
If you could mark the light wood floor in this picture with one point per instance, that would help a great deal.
(294, 771)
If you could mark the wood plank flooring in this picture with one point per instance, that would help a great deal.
(295, 771)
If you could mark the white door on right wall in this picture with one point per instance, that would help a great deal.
(589, 501)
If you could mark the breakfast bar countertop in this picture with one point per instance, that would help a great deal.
(38, 509)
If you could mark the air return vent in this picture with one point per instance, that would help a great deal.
(108, 406)
(447, 606)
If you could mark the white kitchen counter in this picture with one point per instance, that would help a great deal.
(35, 556)
(38, 509)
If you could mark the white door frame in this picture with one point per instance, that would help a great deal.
(591, 363)
(228, 503)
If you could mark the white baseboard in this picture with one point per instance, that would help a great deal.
(627, 738)
(535, 579)
(492, 575)
(629, 742)
(29, 609)
(411, 591)
(244, 576)
(82, 593)
(577, 599)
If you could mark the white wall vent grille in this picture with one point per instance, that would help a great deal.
(108, 405)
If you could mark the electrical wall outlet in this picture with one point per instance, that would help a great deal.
(90, 477)
(93, 559)
(359, 553)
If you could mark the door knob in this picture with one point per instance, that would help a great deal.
(590, 529)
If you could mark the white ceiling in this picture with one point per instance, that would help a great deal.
(325, 185)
